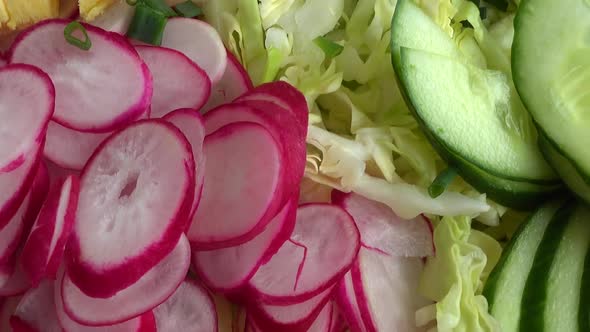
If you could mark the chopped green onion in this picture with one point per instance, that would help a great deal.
(330, 48)
(69, 31)
(188, 9)
(442, 181)
(147, 25)
(160, 6)
(132, 2)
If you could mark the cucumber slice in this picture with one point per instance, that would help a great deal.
(551, 68)
(551, 298)
(462, 106)
(505, 285)
(564, 168)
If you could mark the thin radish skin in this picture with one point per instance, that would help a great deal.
(43, 250)
(38, 193)
(16, 283)
(10, 235)
(386, 288)
(145, 173)
(383, 230)
(190, 308)
(347, 301)
(243, 160)
(144, 323)
(234, 83)
(178, 81)
(227, 270)
(191, 37)
(37, 310)
(80, 103)
(152, 289)
(191, 124)
(321, 250)
(27, 102)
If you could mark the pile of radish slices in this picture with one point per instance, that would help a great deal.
(137, 182)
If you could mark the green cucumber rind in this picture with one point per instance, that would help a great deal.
(535, 291)
(496, 289)
(514, 194)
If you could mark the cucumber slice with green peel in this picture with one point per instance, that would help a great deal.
(564, 168)
(551, 298)
(505, 285)
(466, 108)
(551, 69)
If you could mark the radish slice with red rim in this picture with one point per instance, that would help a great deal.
(36, 310)
(192, 37)
(83, 78)
(178, 81)
(293, 317)
(136, 193)
(321, 249)
(144, 323)
(383, 230)
(7, 307)
(190, 123)
(38, 193)
(27, 100)
(152, 289)
(116, 18)
(325, 320)
(234, 82)
(243, 161)
(228, 269)
(386, 288)
(11, 234)
(2, 61)
(43, 251)
(190, 308)
(16, 281)
(14, 186)
(347, 301)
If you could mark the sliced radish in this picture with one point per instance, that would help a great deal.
(321, 249)
(7, 307)
(2, 61)
(69, 148)
(116, 18)
(279, 124)
(234, 83)
(87, 96)
(36, 310)
(144, 323)
(242, 171)
(38, 193)
(178, 81)
(325, 321)
(136, 193)
(228, 269)
(200, 42)
(291, 318)
(27, 99)
(383, 230)
(43, 251)
(190, 308)
(10, 235)
(283, 95)
(152, 289)
(190, 123)
(386, 288)
(14, 281)
(57, 173)
(15, 185)
(346, 299)
(337, 322)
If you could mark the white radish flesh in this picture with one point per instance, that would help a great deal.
(152, 289)
(136, 194)
(37, 309)
(178, 81)
(386, 288)
(234, 82)
(27, 99)
(190, 308)
(69, 148)
(383, 230)
(190, 123)
(144, 323)
(83, 78)
(116, 18)
(200, 42)
(321, 249)
(228, 269)
(243, 160)
(43, 251)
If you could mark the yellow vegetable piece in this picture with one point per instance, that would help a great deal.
(16, 14)
(90, 9)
